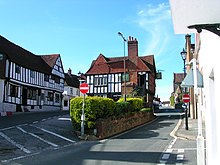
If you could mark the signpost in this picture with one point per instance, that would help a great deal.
(84, 88)
(186, 99)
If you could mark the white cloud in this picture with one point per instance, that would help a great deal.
(155, 20)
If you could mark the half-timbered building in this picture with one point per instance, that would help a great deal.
(29, 82)
(106, 75)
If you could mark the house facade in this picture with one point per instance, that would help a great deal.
(29, 82)
(205, 78)
(107, 78)
(71, 89)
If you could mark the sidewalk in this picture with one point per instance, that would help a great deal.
(192, 132)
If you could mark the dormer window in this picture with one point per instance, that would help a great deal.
(1, 56)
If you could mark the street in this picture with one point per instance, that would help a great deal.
(52, 141)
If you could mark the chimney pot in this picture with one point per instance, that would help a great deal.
(69, 72)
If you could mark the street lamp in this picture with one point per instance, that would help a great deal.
(183, 55)
(120, 34)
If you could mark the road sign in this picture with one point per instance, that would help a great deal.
(84, 88)
(186, 98)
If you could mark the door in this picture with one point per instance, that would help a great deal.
(24, 96)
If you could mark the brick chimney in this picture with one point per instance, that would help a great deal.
(132, 49)
(69, 72)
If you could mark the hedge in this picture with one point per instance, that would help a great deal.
(95, 107)
(99, 107)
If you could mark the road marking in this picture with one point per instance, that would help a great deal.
(180, 157)
(172, 134)
(65, 119)
(169, 150)
(165, 156)
(52, 133)
(180, 151)
(38, 137)
(14, 143)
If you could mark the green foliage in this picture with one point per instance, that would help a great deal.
(146, 109)
(99, 107)
(122, 107)
(172, 102)
(135, 104)
(95, 107)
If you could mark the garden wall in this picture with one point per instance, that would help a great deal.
(112, 126)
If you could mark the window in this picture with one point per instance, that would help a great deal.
(32, 94)
(32, 74)
(50, 96)
(57, 98)
(57, 79)
(13, 90)
(17, 69)
(46, 77)
(125, 77)
(71, 91)
(100, 81)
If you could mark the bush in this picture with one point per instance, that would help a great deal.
(135, 104)
(122, 107)
(99, 107)
(95, 107)
(146, 109)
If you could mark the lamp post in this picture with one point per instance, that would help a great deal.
(124, 41)
(183, 55)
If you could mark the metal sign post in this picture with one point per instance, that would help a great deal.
(83, 116)
(84, 88)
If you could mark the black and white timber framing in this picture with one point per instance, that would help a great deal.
(27, 86)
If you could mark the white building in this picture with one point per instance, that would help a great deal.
(71, 89)
(29, 82)
(203, 17)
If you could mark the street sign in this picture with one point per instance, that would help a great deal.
(186, 98)
(84, 88)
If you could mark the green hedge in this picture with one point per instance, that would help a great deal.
(95, 107)
(135, 104)
(99, 107)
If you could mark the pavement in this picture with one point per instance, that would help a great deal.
(192, 132)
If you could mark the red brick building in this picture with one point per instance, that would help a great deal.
(106, 75)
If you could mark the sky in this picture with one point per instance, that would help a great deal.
(79, 30)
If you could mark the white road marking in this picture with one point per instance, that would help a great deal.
(38, 137)
(180, 157)
(65, 119)
(169, 150)
(52, 133)
(14, 143)
(180, 150)
(165, 156)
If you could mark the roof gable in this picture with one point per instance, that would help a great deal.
(71, 80)
(103, 65)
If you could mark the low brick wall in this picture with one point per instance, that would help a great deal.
(112, 126)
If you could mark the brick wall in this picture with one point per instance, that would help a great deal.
(112, 126)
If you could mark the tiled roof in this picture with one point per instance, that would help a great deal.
(25, 58)
(71, 80)
(50, 59)
(116, 65)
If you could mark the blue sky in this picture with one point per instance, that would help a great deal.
(80, 30)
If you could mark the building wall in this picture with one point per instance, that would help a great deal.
(209, 96)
